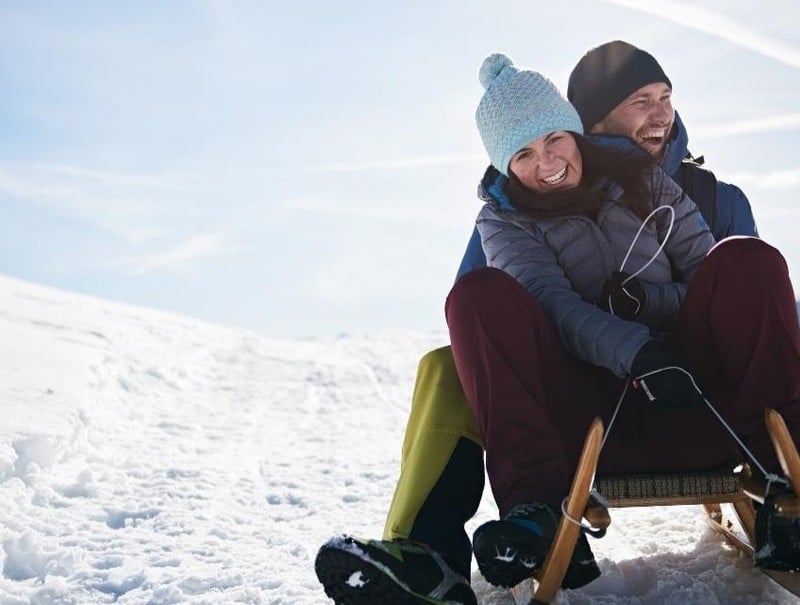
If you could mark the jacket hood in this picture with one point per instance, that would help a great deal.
(492, 188)
(677, 147)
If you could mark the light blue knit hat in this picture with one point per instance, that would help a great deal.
(518, 107)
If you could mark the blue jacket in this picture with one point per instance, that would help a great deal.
(733, 213)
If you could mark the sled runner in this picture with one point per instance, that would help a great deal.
(743, 537)
(555, 565)
(717, 491)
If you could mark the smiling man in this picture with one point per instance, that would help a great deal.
(623, 96)
(620, 90)
(645, 117)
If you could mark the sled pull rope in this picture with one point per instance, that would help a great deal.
(770, 477)
(595, 532)
(639, 233)
(633, 243)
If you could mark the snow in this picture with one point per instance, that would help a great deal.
(156, 459)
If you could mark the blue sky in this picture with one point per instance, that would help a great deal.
(309, 168)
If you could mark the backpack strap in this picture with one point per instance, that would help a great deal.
(700, 185)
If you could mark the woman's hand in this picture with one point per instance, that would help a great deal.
(622, 298)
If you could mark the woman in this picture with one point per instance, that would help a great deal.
(602, 270)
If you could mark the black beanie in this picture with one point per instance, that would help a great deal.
(607, 75)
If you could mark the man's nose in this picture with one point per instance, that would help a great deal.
(661, 112)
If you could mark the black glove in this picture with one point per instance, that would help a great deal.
(664, 380)
(624, 301)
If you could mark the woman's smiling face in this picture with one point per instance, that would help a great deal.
(549, 163)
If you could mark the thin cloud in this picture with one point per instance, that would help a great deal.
(775, 180)
(439, 217)
(119, 179)
(131, 206)
(415, 162)
(778, 123)
(126, 216)
(179, 257)
(693, 16)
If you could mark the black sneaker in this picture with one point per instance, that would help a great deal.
(777, 538)
(513, 549)
(372, 572)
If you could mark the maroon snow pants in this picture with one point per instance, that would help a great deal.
(737, 331)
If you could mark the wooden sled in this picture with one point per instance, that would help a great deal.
(715, 490)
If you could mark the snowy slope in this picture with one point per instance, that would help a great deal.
(151, 458)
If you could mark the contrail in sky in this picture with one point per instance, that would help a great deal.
(777, 123)
(411, 162)
(695, 17)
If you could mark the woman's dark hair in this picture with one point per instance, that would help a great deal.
(630, 169)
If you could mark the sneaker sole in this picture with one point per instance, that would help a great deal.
(350, 580)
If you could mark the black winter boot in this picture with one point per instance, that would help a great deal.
(777, 538)
(373, 572)
(512, 549)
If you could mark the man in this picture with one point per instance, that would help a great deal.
(624, 99)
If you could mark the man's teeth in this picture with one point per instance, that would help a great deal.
(558, 176)
(654, 134)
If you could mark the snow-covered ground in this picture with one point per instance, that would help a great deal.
(152, 458)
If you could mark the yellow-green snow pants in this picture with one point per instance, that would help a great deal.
(442, 473)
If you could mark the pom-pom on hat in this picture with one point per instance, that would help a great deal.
(606, 75)
(518, 107)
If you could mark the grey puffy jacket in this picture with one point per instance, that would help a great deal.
(564, 262)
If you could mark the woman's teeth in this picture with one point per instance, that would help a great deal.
(557, 177)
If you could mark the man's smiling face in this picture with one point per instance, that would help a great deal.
(646, 117)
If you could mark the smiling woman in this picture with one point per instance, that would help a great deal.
(549, 163)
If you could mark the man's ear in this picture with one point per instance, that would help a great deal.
(599, 127)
